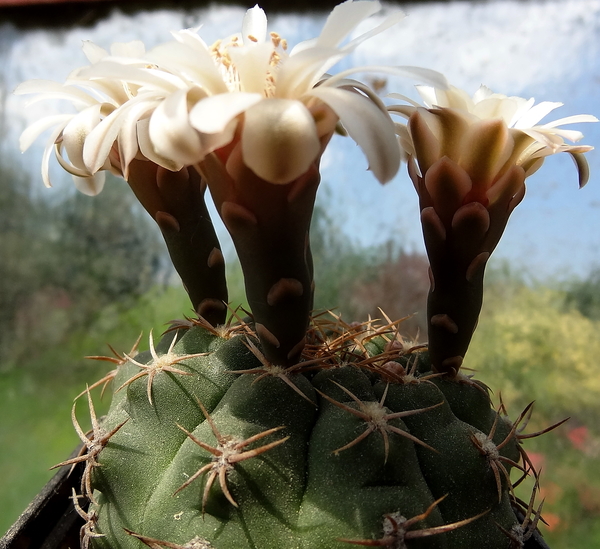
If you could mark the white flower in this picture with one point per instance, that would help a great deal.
(486, 134)
(462, 150)
(94, 100)
(184, 100)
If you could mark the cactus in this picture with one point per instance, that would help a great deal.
(282, 429)
(346, 448)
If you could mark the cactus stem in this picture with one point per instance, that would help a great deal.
(224, 331)
(374, 414)
(268, 369)
(94, 444)
(225, 455)
(117, 359)
(196, 543)
(491, 451)
(394, 372)
(163, 363)
(396, 529)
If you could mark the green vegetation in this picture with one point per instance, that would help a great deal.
(533, 345)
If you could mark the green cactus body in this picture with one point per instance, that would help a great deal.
(341, 453)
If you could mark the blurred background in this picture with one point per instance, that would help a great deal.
(77, 272)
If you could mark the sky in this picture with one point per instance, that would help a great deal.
(547, 50)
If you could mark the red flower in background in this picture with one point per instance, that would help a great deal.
(579, 437)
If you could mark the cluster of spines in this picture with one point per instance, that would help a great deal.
(377, 349)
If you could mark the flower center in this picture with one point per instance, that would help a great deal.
(220, 51)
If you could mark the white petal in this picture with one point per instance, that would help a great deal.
(101, 140)
(372, 129)
(133, 75)
(535, 114)
(279, 140)
(252, 64)
(101, 89)
(302, 71)
(495, 107)
(545, 139)
(428, 95)
(388, 22)
(213, 114)
(428, 76)
(171, 133)
(68, 166)
(403, 98)
(190, 38)
(454, 98)
(196, 64)
(254, 26)
(92, 185)
(93, 52)
(343, 19)
(128, 141)
(76, 133)
(147, 149)
(571, 135)
(575, 119)
(50, 144)
(33, 131)
(49, 89)
(134, 49)
(482, 93)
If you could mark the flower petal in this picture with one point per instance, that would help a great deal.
(171, 132)
(213, 114)
(486, 147)
(535, 114)
(343, 19)
(372, 129)
(576, 119)
(428, 76)
(192, 60)
(128, 141)
(90, 186)
(76, 132)
(101, 139)
(583, 168)
(279, 140)
(301, 71)
(33, 131)
(93, 52)
(425, 131)
(49, 89)
(50, 144)
(254, 26)
(252, 64)
(389, 21)
(134, 75)
(147, 148)
(134, 49)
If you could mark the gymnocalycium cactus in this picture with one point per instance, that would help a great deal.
(278, 429)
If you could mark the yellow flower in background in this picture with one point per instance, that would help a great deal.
(463, 149)
(183, 100)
